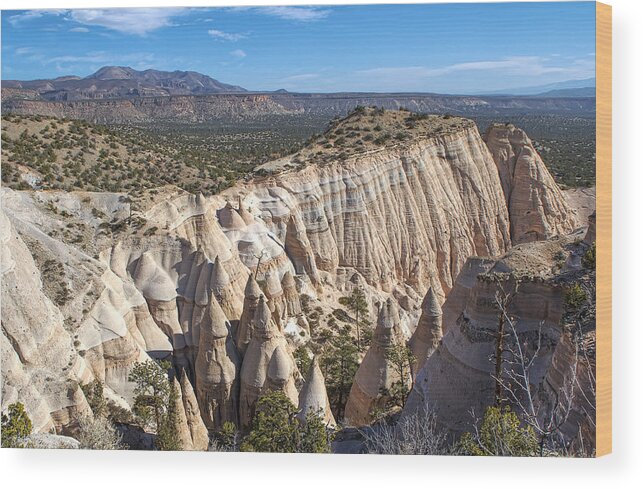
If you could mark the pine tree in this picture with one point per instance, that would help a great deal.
(226, 438)
(402, 359)
(340, 361)
(315, 436)
(357, 304)
(151, 391)
(274, 427)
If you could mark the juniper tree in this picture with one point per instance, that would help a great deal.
(16, 426)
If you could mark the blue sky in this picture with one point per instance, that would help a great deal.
(446, 48)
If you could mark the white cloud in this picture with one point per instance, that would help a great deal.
(91, 57)
(137, 21)
(300, 14)
(519, 65)
(25, 50)
(33, 14)
(101, 58)
(226, 36)
(238, 53)
(301, 77)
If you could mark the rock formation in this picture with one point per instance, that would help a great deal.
(197, 429)
(590, 235)
(314, 398)
(217, 369)
(428, 333)
(458, 376)
(181, 428)
(267, 364)
(291, 297)
(252, 293)
(410, 214)
(399, 219)
(538, 209)
(189, 428)
(376, 374)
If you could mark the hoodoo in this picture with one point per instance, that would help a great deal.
(291, 297)
(245, 214)
(538, 209)
(198, 430)
(266, 363)
(180, 420)
(397, 218)
(217, 369)
(428, 333)
(313, 397)
(376, 375)
(230, 218)
(221, 285)
(252, 293)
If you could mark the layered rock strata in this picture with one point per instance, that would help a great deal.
(537, 207)
(410, 213)
(458, 377)
(398, 220)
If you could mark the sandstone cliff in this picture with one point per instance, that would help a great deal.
(538, 209)
(404, 214)
(459, 376)
(178, 280)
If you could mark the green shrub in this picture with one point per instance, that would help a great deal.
(16, 426)
(500, 434)
(589, 258)
(575, 296)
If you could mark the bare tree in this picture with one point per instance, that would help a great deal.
(98, 433)
(503, 299)
(516, 382)
(259, 257)
(415, 434)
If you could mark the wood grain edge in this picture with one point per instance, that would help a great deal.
(603, 229)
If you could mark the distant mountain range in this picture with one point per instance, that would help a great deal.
(569, 88)
(117, 82)
(116, 94)
(112, 82)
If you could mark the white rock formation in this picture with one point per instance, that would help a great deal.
(217, 369)
(267, 364)
(538, 209)
(313, 397)
(376, 374)
(428, 333)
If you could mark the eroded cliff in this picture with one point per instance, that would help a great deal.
(214, 283)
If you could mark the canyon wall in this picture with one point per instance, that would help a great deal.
(181, 283)
(538, 209)
(458, 380)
